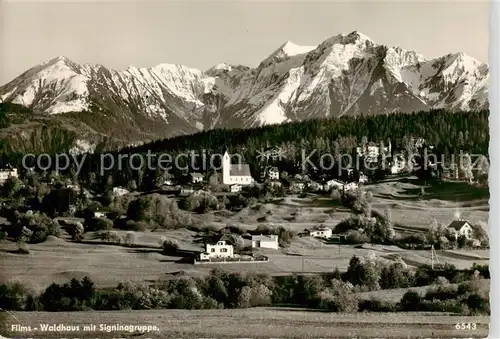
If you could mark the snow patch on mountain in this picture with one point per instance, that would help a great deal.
(345, 74)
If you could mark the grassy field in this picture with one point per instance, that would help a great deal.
(60, 260)
(395, 294)
(256, 323)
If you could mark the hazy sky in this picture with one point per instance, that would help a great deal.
(203, 34)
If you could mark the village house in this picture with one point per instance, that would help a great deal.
(351, 186)
(74, 187)
(236, 188)
(196, 178)
(221, 249)
(314, 186)
(265, 241)
(319, 232)
(168, 182)
(461, 228)
(235, 173)
(100, 214)
(185, 191)
(119, 191)
(334, 184)
(297, 186)
(363, 179)
(275, 183)
(370, 151)
(397, 166)
(273, 173)
(7, 173)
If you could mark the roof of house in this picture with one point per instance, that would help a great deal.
(335, 180)
(196, 175)
(320, 228)
(273, 169)
(457, 224)
(225, 237)
(272, 238)
(239, 170)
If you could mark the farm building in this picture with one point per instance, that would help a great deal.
(461, 227)
(319, 232)
(265, 241)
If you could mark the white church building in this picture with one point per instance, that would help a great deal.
(235, 174)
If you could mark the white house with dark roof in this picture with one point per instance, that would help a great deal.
(265, 241)
(320, 232)
(461, 227)
(235, 173)
(223, 248)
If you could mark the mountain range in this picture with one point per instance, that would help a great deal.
(345, 75)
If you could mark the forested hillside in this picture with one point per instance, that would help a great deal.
(449, 133)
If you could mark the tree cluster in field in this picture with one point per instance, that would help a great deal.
(337, 292)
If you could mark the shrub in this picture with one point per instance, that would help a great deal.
(478, 304)
(441, 292)
(260, 296)
(100, 224)
(244, 297)
(159, 210)
(76, 231)
(22, 247)
(447, 305)
(356, 237)
(335, 195)
(169, 245)
(376, 305)
(137, 226)
(395, 276)
(410, 301)
(111, 237)
(130, 239)
(338, 298)
(13, 296)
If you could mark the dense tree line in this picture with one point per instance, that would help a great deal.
(334, 291)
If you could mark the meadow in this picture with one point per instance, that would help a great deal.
(60, 259)
(259, 323)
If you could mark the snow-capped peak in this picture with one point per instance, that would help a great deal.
(287, 50)
(291, 49)
(347, 74)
